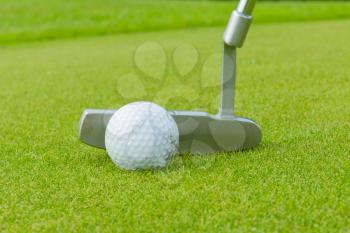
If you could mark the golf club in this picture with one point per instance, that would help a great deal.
(200, 132)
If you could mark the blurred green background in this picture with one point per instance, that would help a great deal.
(40, 19)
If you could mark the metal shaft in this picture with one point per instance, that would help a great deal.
(246, 6)
(234, 37)
(228, 78)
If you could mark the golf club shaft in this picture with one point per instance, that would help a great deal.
(228, 78)
(234, 37)
(246, 6)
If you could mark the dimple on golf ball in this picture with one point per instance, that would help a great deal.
(141, 135)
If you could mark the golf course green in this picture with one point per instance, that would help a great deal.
(293, 79)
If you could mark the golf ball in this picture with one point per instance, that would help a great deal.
(141, 135)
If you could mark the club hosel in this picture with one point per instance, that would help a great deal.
(237, 29)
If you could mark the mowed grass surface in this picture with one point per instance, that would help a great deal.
(41, 20)
(293, 79)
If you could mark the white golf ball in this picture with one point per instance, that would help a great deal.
(141, 135)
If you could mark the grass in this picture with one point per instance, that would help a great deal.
(293, 80)
(41, 20)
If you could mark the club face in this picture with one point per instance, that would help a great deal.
(93, 125)
(200, 132)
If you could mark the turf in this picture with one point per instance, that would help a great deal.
(293, 79)
(41, 20)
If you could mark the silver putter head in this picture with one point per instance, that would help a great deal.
(200, 132)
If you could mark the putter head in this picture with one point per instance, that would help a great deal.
(200, 132)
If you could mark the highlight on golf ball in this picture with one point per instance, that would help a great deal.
(141, 135)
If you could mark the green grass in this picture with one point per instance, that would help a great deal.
(40, 20)
(293, 79)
